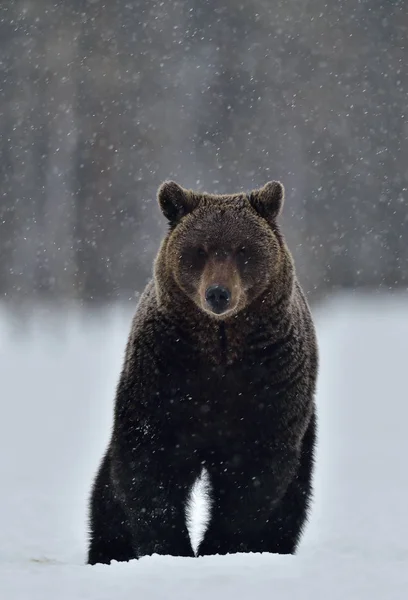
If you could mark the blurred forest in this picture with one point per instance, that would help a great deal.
(100, 101)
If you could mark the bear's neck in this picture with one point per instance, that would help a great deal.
(223, 342)
(263, 324)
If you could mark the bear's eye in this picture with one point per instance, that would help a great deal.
(201, 252)
(242, 251)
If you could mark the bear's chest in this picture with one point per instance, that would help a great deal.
(224, 403)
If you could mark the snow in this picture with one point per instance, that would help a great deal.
(57, 387)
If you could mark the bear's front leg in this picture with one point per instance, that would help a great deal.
(244, 500)
(154, 496)
(110, 536)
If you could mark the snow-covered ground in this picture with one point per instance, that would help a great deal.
(57, 386)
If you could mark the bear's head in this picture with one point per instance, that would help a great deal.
(222, 251)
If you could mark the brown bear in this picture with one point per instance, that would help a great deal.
(219, 373)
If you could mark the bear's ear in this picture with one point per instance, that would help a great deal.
(268, 200)
(175, 202)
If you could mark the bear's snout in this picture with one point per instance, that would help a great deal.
(220, 289)
(218, 298)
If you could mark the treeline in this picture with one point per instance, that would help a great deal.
(101, 101)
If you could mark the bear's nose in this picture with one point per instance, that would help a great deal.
(218, 298)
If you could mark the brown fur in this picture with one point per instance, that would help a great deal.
(232, 392)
